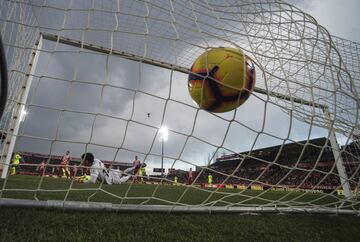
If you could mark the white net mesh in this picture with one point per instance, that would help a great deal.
(110, 73)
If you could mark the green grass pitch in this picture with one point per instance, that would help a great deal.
(48, 188)
(19, 224)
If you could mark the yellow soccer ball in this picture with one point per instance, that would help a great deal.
(221, 79)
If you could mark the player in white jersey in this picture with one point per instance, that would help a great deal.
(109, 176)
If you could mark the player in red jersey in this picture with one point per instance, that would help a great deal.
(190, 177)
(63, 169)
(136, 163)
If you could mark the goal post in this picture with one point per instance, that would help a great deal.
(19, 111)
(105, 76)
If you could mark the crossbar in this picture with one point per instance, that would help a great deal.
(105, 50)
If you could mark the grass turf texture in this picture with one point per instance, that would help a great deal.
(47, 188)
(19, 224)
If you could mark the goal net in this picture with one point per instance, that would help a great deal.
(107, 76)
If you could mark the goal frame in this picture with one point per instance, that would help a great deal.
(21, 103)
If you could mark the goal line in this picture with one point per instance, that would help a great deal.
(110, 207)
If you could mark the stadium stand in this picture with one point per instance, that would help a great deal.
(305, 165)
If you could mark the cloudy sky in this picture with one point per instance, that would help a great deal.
(340, 18)
(75, 86)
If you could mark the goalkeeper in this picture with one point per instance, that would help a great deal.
(109, 176)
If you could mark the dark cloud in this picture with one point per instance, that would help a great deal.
(117, 94)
